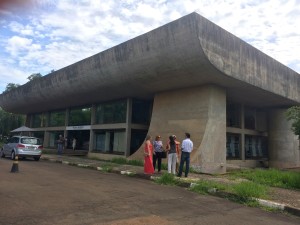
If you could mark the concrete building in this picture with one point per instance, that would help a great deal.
(189, 75)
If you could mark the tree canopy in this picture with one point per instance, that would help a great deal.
(10, 86)
(34, 76)
(293, 114)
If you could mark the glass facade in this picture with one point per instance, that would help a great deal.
(250, 118)
(233, 115)
(141, 111)
(38, 120)
(255, 147)
(80, 116)
(110, 141)
(82, 139)
(53, 137)
(137, 139)
(233, 143)
(111, 112)
(57, 118)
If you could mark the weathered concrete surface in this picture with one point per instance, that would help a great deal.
(283, 144)
(200, 111)
(188, 52)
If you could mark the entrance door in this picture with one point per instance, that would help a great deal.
(82, 139)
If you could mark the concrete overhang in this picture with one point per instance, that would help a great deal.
(188, 52)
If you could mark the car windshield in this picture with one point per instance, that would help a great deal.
(30, 141)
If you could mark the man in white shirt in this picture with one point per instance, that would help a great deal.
(186, 149)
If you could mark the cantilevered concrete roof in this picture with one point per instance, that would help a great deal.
(188, 52)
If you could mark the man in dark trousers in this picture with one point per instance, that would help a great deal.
(186, 149)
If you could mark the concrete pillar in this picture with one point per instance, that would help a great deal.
(93, 121)
(128, 127)
(283, 144)
(212, 151)
(201, 111)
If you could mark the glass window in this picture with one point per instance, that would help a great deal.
(57, 119)
(141, 111)
(233, 143)
(38, 120)
(82, 139)
(111, 112)
(31, 141)
(233, 115)
(137, 139)
(250, 118)
(255, 147)
(53, 137)
(78, 117)
(110, 141)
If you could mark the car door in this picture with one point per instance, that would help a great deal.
(9, 146)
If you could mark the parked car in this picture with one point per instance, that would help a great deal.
(22, 146)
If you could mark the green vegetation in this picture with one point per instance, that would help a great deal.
(247, 190)
(293, 114)
(122, 161)
(206, 186)
(271, 177)
(167, 179)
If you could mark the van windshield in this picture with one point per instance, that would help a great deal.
(31, 141)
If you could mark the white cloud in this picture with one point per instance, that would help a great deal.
(55, 34)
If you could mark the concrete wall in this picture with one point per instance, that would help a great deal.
(283, 144)
(201, 111)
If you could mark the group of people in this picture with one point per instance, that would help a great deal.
(61, 144)
(177, 155)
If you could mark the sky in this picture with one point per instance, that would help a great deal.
(38, 36)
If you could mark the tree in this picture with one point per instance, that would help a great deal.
(293, 114)
(34, 76)
(10, 86)
(9, 122)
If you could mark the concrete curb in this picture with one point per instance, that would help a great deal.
(214, 191)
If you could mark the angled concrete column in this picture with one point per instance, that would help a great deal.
(283, 144)
(201, 111)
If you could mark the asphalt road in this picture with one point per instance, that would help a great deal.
(47, 193)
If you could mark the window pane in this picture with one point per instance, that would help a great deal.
(137, 139)
(57, 119)
(112, 112)
(141, 111)
(78, 117)
(233, 114)
(110, 141)
(38, 120)
(233, 146)
(255, 147)
(250, 116)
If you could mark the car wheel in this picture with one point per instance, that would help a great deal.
(13, 155)
(36, 158)
(2, 154)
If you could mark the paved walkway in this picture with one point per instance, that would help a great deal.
(138, 171)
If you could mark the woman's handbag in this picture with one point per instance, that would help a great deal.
(163, 155)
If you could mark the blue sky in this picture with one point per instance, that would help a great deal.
(38, 36)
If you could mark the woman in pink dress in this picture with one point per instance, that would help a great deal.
(148, 153)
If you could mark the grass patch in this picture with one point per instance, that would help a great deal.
(119, 160)
(272, 177)
(135, 162)
(205, 186)
(247, 190)
(107, 167)
(167, 179)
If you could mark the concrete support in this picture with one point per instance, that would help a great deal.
(283, 143)
(128, 127)
(201, 111)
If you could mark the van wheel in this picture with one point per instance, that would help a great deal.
(36, 158)
(13, 155)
